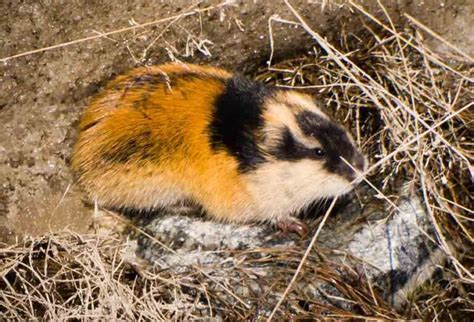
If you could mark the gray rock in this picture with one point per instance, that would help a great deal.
(394, 249)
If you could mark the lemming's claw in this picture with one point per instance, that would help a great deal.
(292, 226)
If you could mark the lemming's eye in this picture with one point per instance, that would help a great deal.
(319, 153)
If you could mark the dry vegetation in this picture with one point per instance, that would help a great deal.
(71, 276)
(413, 116)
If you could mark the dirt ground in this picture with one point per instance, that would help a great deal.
(42, 94)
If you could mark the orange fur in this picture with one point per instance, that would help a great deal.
(185, 165)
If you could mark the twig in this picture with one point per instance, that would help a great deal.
(113, 32)
(429, 55)
(435, 35)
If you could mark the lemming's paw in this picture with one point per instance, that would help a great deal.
(292, 225)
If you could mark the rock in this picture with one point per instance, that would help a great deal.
(393, 249)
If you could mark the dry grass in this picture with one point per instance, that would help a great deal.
(72, 276)
(190, 11)
(412, 114)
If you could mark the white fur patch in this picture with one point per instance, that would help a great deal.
(281, 189)
(303, 102)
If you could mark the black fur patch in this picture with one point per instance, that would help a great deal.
(236, 120)
(291, 150)
(335, 143)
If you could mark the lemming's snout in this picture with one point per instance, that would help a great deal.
(349, 168)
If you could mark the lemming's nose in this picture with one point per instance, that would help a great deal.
(356, 165)
(352, 167)
(359, 165)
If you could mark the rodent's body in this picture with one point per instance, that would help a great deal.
(161, 136)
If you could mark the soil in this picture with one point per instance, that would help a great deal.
(42, 94)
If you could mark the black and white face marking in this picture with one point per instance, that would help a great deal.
(302, 149)
(331, 142)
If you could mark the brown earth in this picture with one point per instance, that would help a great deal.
(42, 94)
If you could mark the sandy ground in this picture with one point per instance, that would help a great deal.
(42, 95)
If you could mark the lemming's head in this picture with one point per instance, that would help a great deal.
(307, 148)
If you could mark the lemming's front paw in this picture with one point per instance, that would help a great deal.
(292, 225)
